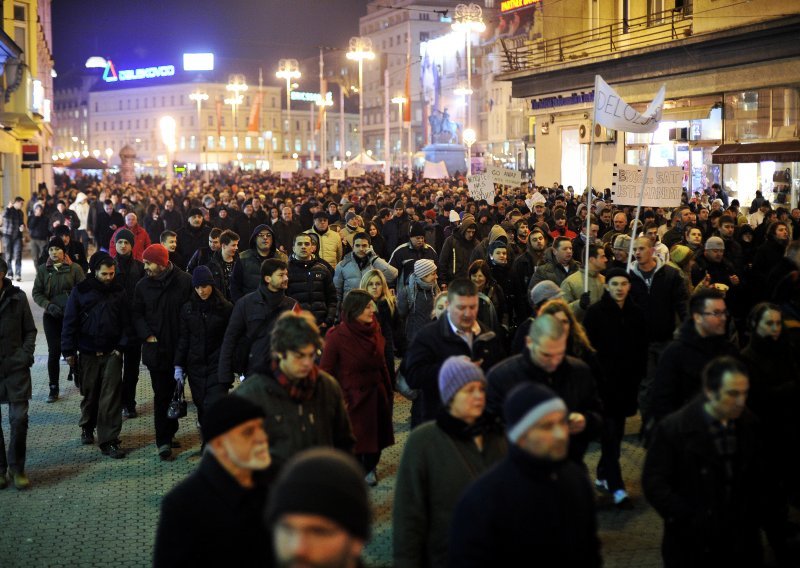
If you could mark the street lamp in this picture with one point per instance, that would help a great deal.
(236, 85)
(360, 49)
(288, 69)
(468, 19)
(199, 96)
(167, 126)
(323, 104)
(469, 139)
(109, 153)
(400, 101)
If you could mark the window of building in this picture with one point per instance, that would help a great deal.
(180, 121)
(145, 123)
(235, 140)
(210, 143)
(137, 104)
(129, 125)
(129, 104)
(172, 100)
(248, 143)
(191, 121)
(192, 142)
(222, 142)
(181, 100)
(211, 120)
(183, 143)
(137, 123)
(163, 101)
(112, 125)
(145, 102)
(120, 105)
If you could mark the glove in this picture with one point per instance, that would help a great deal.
(585, 300)
(54, 310)
(179, 373)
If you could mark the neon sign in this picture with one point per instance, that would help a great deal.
(111, 75)
(508, 5)
(310, 97)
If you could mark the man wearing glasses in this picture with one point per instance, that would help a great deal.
(701, 338)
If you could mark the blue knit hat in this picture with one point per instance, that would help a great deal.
(202, 277)
(526, 405)
(456, 372)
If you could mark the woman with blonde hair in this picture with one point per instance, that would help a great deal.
(578, 344)
(374, 282)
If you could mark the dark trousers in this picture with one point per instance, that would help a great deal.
(17, 442)
(163, 382)
(52, 332)
(13, 252)
(608, 467)
(369, 461)
(131, 357)
(205, 394)
(101, 387)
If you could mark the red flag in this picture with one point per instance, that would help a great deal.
(254, 124)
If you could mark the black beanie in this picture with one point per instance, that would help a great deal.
(324, 482)
(96, 259)
(416, 230)
(616, 272)
(57, 242)
(227, 413)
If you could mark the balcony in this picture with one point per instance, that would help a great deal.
(616, 38)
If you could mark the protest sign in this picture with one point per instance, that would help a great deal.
(480, 187)
(504, 176)
(335, 174)
(284, 166)
(612, 111)
(355, 170)
(663, 187)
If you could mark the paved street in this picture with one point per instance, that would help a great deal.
(87, 510)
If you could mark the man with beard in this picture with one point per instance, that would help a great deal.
(156, 315)
(286, 229)
(578, 297)
(94, 336)
(107, 222)
(404, 256)
(194, 235)
(225, 495)
(246, 275)
(522, 270)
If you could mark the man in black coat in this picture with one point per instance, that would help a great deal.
(285, 230)
(193, 235)
(405, 255)
(107, 222)
(156, 316)
(221, 262)
(545, 361)
(311, 282)
(704, 474)
(94, 335)
(535, 507)
(456, 332)
(214, 516)
(395, 230)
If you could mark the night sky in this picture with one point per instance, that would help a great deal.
(155, 32)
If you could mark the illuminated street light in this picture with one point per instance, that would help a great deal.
(236, 85)
(96, 62)
(469, 137)
(96, 153)
(468, 19)
(400, 100)
(288, 69)
(167, 126)
(109, 153)
(360, 50)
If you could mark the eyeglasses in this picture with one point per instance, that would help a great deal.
(717, 313)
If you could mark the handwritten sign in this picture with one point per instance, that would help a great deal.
(284, 166)
(481, 186)
(504, 176)
(663, 187)
(335, 174)
(355, 170)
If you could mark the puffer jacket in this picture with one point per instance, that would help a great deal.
(53, 285)
(17, 343)
(330, 246)
(348, 273)
(203, 326)
(311, 284)
(246, 275)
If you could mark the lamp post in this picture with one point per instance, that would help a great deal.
(168, 127)
(468, 19)
(400, 101)
(236, 85)
(469, 139)
(323, 104)
(289, 70)
(199, 96)
(360, 49)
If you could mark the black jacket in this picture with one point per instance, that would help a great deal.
(252, 320)
(395, 231)
(526, 511)
(246, 276)
(17, 343)
(105, 225)
(431, 346)
(311, 284)
(203, 325)
(285, 233)
(222, 280)
(210, 520)
(156, 311)
(665, 301)
(404, 257)
(95, 319)
(191, 239)
(129, 272)
(572, 381)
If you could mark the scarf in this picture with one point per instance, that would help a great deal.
(370, 333)
(414, 285)
(300, 390)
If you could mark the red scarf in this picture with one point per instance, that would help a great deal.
(299, 391)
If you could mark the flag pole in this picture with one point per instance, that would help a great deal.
(641, 198)
(589, 201)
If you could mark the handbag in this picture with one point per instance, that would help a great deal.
(177, 407)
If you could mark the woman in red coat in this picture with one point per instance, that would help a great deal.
(354, 354)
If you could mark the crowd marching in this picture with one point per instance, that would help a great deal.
(521, 331)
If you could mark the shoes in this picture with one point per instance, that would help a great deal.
(53, 396)
(129, 413)
(3, 480)
(601, 485)
(622, 500)
(87, 436)
(371, 478)
(21, 481)
(113, 450)
(18, 278)
(165, 452)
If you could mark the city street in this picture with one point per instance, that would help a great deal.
(84, 509)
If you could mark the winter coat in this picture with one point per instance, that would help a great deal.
(440, 460)
(552, 270)
(455, 254)
(348, 273)
(522, 271)
(17, 343)
(665, 301)
(285, 233)
(222, 280)
(311, 284)
(252, 320)
(679, 370)
(246, 276)
(526, 507)
(620, 338)
(683, 479)
(481, 250)
(96, 318)
(404, 257)
(37, 228)
(54, 284)
(766, 257)
(415, 305)
(129, 272)
(190, 239)
(13, 219)
(395, 231)
(141, 240)
(387, 320)
(244, 226)
(200, 513)
(156, 311)
(572, 381)
(203, 325)
(432, 345)
(330, 246)
(572, 288)
(354, 355)
(296, 426)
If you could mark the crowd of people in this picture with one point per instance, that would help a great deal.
(521, 330)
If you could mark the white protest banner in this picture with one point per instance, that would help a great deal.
(355, 170)
(612, 111)
(435, 170)
(663, 187)
(286, 175)
(480, 187)
(335, 174)
(504, 176)
(284, 166)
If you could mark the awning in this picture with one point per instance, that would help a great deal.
(757, 152)
(687, 113)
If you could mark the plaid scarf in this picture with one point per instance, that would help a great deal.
(298, 391)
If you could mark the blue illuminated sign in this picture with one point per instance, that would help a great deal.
(111, 75)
